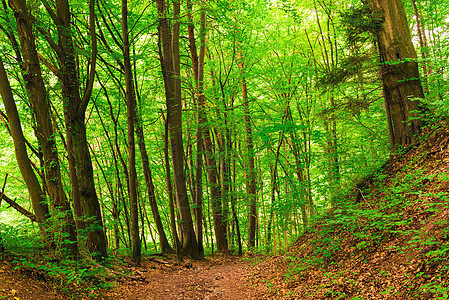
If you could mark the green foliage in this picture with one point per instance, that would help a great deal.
(361, 24)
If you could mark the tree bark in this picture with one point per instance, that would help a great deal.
(171, 203)
(37, 93)
(170, 70)
(23, 162)
(131, 116)
(165, 245)
(85, 199)
(400, 75)
(215, 193)
(198, 71)
(250, 174)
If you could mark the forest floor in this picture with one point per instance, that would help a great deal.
(220, 277)
(388, 238)
(213, 278)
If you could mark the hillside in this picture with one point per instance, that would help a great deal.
(388, 239)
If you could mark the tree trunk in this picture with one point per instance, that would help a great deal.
(215, 193)
(170, 69)
(85, 199)
(131, 116)
(44, 130)
(23, 162)
(171, 203)
(198, 71)
(165, 246)
(250, 168)
(400, 75)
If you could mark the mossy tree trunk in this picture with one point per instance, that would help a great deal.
(399, 72)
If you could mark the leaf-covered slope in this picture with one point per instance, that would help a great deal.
(388, 239)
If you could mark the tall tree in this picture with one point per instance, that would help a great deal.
(85, 200)
(170, 71)
(23, 161)
(131, 116)
(250, 174)
(37, 94)
(400, 75)
(198, 73)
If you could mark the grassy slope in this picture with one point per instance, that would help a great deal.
(388, 239)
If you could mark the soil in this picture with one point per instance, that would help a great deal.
(213, 278)
(217, 278)
(17, 285)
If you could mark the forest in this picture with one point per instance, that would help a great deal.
(188, 128)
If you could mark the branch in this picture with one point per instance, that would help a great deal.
(19, 208)
(3, 188)
(50, 41)
(93, 63)
(49, 65)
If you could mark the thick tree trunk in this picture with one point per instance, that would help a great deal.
(85, 199)
(131, 116)
(400, 75)
(170, 68)
(44, 130)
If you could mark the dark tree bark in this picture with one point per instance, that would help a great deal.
(23, 162)
(400, 75)
(85, 199)
(215, 193)
(131, 116)
(171, 203)
(250, 175)
(198, 71)
(170, 70)
(44, 130)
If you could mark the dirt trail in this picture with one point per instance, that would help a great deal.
(218, 278)
(223, 278)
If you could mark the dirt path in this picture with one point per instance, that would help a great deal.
(222, 278)
(218, 278)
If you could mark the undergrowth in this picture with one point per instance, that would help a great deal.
(76, 279)
(389, 206)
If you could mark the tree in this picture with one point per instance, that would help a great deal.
(131, 116)
(85, 198)
(38, 97)
(399, 72)
(170, 66)
(23, 161)
(250, 172)
(198, 74)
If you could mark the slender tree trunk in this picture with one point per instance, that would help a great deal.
(198, 71)
(165, 246)
(215, 194)
(170, 70)
(422, 44)
(23, 162)
(171, 204)
(131, 116)
(250, 168)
